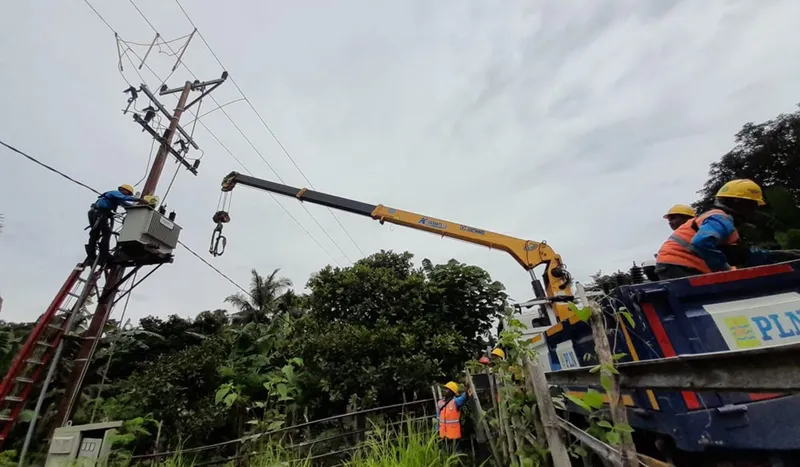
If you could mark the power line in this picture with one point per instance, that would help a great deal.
(235, 125)
(228, 150)
(305, 208)
(67, 177)
(263, 122)
(288, 213)
(135, 68)
(32, 159)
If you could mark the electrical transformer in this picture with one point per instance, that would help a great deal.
(147, 236)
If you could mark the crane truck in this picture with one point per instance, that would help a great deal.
(528, 253)
(754, 307)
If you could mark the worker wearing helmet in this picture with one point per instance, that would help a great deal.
(710, 242)
(450, 412)
(101, 220)
(498, 354)
(678, 215)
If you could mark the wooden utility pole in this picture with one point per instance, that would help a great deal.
(115, 274)
(161, 156)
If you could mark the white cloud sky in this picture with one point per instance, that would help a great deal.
(578, 123)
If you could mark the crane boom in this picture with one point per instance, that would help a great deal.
(529, 254)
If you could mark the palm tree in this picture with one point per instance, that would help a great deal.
(263, 299)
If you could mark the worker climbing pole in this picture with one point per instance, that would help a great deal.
(147, 238)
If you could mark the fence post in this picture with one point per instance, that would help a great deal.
(482, 420)
(537, 417)
(555, 440)
(605, 357)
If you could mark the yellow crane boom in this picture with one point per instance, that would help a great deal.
(528, 253)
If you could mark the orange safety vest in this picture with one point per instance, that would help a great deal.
(449, 420)
(678, 250)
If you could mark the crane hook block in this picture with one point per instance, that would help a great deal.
(221, 217)
(218, 241)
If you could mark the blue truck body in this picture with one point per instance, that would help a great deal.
(741, 309)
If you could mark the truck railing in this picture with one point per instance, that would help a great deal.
(763, 369)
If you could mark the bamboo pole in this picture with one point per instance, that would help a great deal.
(505, 421)
(619, 414)
(555, 440)
(482, 420)
(537, 417)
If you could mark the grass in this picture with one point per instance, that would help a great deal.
(413, 444)
(416, 445)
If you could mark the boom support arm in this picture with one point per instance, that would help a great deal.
(527, 253)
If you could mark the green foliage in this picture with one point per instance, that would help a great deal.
(382, 328)
(364, 336)
(516, 413)
(7, 458)
(583, 313)
(267, 296)
(124, 441)
(415, 444)
(769, 154)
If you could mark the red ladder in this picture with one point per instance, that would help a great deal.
(27, 368)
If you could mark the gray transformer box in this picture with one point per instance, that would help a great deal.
(147, 236)
(81, 445)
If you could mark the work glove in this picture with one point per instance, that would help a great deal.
(150, 200)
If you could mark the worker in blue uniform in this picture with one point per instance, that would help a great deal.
(711, 242)
(101, 220)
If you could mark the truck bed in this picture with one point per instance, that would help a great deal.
(742, 309)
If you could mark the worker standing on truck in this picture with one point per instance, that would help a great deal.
(450, 413)
(101, 220)
(710, 242)
(678, 215)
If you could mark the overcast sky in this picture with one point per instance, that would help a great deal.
(578, 123)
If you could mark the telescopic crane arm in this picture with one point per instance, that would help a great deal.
(527, 253)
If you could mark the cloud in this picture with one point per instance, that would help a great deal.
(572, 122)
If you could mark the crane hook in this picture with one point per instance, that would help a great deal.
(218, 241)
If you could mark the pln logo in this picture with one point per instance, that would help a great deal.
(773, 328)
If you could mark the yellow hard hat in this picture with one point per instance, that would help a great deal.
(127, 187)
(499, 353)
(681, 210)
(452, 386)
(742, 189)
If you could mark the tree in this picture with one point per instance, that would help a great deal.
(263, 299)
(382, 328)
(769, 154)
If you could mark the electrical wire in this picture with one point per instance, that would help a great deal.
(305, 208)
(206, 127)
(264, 123)
(147, 167)
(218, 107)
(67, 177)
(32, 159)
(274, 198)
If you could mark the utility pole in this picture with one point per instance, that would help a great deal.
(115, 274)
(161, 156)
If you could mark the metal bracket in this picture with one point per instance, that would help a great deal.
(190, 167)
(166, 113)
(214, 85)
(195, 86)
